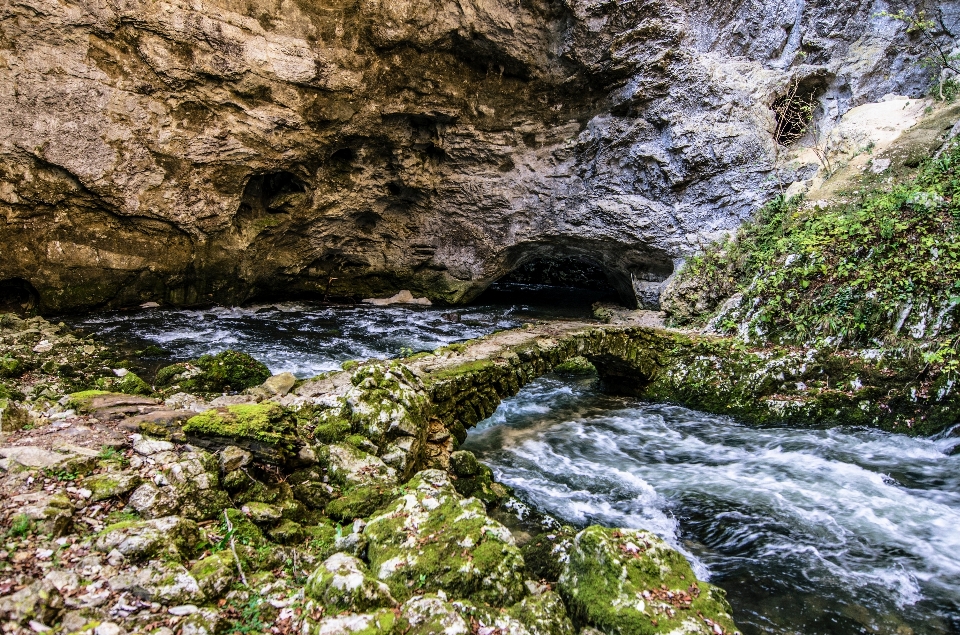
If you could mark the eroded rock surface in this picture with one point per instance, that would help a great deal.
(188, 152)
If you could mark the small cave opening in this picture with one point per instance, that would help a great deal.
(18, 296)
(565, 286)
(796, 111)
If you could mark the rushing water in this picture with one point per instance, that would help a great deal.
(308, 338)
(809, 531)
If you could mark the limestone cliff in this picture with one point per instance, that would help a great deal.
(216, 150)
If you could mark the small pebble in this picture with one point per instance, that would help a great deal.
(185, 609)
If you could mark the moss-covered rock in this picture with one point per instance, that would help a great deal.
(288, 532)
(363, 482)
(428, 615)
(267, 430)
(195, 480)
(431, 539)
(629, 582)
(13, 416)
(382, 622)
(225, 372)
(576, 366)
(214, 574)
(342, 583)
(127, 383)
(111, 484)
(171, 537)
(543, 614)
(482, 486)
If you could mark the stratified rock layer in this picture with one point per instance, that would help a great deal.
(190, 152)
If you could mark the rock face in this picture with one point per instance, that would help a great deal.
(189, 152)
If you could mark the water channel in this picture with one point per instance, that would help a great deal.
(810, 531)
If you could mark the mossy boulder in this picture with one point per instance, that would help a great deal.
(432, 539)
(111, 485)
(288, 532)
(428, 615)
(127, 383)
(229, 371)
(11, 367)
(267, 430)
(13, 417)
(214, 574)
(481, 485)
(543, 614)
(381, 622)
(630, 582)
(171, 537)
(363, 482)
(342, 583)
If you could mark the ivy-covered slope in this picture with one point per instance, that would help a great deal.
(879, 269)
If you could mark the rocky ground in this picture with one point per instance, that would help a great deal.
(207, 512)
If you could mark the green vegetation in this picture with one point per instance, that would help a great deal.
(229, 371)
(21, 526)
(849, 272)
(267, 423)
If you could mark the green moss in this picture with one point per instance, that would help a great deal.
(229, 371)
(619, 581)
(11, 367)
(359, 502)
(350, 365)
(576, 366)
(129, 384)
(449, 545)
(268, 423)
(80, 401)
(469, 368)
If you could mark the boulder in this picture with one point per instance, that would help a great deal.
(111, 485)
(173, 537)
(427, 615)
(624, 581)
(266, 430)
(431, 539)
(365, 482)
(341, 583)
(229, 371)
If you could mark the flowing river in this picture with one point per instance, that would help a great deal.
(809, 531)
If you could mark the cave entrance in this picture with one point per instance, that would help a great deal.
(565, 286)
(18, 296)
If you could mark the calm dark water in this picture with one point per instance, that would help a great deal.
(809, 531)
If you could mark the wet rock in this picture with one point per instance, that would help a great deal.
(630, 581)
(110, 485)
(342, 583)
(431, 539)
(172, 536)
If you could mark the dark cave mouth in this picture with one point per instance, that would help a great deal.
(568, 285)
(18, 296)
